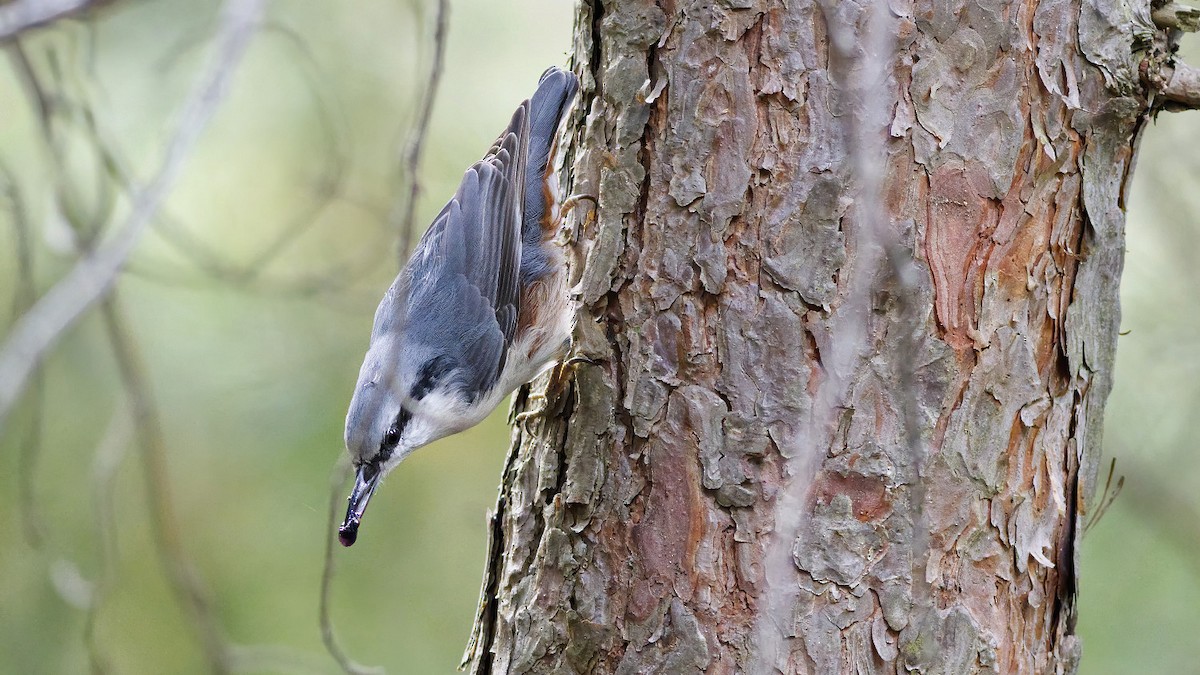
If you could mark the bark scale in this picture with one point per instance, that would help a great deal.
(639, 508)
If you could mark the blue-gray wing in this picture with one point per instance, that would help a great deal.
(462, 283)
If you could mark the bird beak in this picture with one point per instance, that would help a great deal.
(365, 482)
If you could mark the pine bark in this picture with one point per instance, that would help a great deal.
(939, 527)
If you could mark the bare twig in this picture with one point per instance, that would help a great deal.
(1182, 85)
(412, 153)
(21, 15)
(27, 462)
(328, 185)
(1107, 496)
(1176, 16)
(210, 262)
(337, 483)
(40, 328)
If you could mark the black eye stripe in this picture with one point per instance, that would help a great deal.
(392, 436)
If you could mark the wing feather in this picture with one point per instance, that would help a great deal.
(460, 292)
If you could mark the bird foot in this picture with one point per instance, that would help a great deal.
(536, 404)
(569, 236)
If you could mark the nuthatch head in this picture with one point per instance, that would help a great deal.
(480, 309)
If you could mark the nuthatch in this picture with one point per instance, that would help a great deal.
(480, 309)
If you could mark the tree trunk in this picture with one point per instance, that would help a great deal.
(926, 489)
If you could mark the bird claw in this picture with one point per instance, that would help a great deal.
(571, 202)
(570, 236)
(576, 359)
(539, 408)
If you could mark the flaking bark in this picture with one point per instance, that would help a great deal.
(636, 510)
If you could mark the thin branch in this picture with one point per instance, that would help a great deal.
(208, 259)
(1176, 16)
(329, 184)
(40, 328)
(337, 483)
(412, 154)
(222, 655)
(29, 452)
(1182, 85)
(54, 111)
(1107, 496)
(21, 15)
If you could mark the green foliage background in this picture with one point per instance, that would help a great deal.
(252, 380)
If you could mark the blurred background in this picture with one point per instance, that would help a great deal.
(294, 179)
(249, 305)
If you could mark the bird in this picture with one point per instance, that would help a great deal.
(481, 307)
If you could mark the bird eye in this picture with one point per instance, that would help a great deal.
(391, 437)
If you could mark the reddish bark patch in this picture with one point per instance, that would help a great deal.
(870, 497)
(960, 216)
(667, 537)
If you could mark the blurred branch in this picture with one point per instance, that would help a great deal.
(40, 328)
(412, 153)
(208, 259)
(20, 15)
(25, 72)
(329, 187)
(222, 656)
(150, 437)
(23, 298)
(336, 485)
(109, 454)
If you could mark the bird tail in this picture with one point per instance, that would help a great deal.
(548, 106)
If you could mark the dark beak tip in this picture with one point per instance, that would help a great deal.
(365, 483)
(348, 534)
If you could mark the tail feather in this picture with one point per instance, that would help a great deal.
(549, 104)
